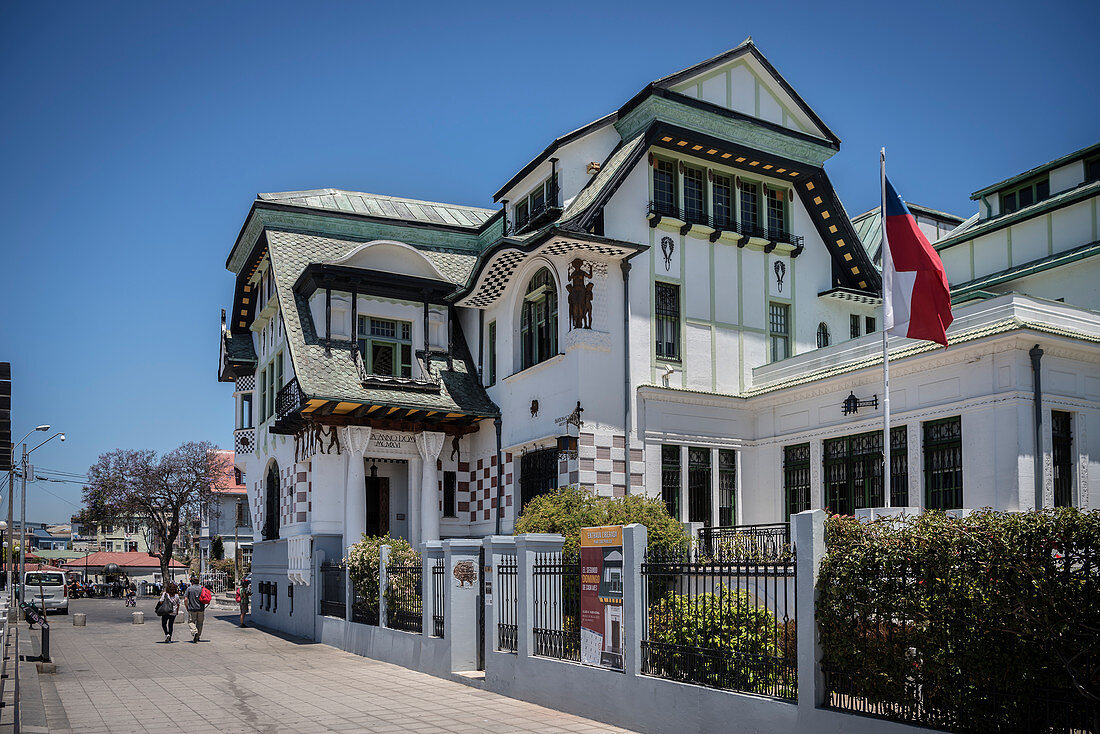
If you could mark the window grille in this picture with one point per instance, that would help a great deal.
(943, 479)
(670, 478)
(822, 335)
(727, 486)
(667, 314)
(796, 478)
(538, 474)
(1062, 448)
(699, 485)
(779, 331)
(871, 325)
(853, 471)
(854, 326)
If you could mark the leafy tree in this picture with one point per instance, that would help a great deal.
(162, 490)
(217, 548)
(568, 509)
(363, 561)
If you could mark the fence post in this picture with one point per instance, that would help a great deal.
(634, 610)
(527, 545)
(809, 539)
(430, 551)
(496, 547)
(461, 581)
(383, 561)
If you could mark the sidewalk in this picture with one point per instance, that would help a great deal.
(113, 676)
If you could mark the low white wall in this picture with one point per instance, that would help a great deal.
(410, 650)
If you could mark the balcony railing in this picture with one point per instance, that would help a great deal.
(289, 400)
(545, 213)
(771, 542)
(720, 223)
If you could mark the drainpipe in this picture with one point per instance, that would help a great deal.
(553, 183)
(500, 478)
(328, 319)
(1036, 355)
(480, 344)
(625, 265)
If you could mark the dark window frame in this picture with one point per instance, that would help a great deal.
(699, 485)
(665, 195)
(670, 478)
(538, 474)
(822, 335)
(695, 195)
(492, 347)
(1022, 195)
(727, 487)
(539, 319)
(779, 330)
(852, 471)
(1062, 458)
(797, 483)
(943, 460)
(450, 494)
(667, 321)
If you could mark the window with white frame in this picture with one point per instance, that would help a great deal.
(386, 346)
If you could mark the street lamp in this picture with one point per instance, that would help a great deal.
(9, 563)
(23, 499)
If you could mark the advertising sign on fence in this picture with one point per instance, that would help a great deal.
(602, 597)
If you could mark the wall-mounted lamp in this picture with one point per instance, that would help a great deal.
(852, 404)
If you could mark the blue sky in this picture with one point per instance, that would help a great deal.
(133, 138)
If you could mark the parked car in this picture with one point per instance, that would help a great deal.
(46, 590)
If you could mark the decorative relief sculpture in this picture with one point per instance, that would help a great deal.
(780, 272)
(668, 246)
(311, 439)
(580, 295)
(465, 573)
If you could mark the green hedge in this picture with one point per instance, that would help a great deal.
(363, 561)
(965, 623)
(568, 509)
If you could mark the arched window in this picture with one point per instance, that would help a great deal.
(539, 320)
(271, 503)
(822, 335)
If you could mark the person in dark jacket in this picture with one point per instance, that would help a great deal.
(196, 610)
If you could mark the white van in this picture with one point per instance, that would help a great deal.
(46, 590)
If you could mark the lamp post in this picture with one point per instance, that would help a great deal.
(10, 562)
(23, 498)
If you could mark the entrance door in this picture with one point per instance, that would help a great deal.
(378, 506)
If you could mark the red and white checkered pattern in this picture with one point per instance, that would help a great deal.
(480, 490)
(601, 464)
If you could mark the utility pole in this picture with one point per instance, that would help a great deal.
(23, 521)
(237, 544)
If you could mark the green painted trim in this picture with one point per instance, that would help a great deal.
(1008, 245)
(972, 271)
(1094, 207)
(965, 290)
(1054, 203)
(1050, 234)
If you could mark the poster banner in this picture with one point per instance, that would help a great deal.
(602, 597)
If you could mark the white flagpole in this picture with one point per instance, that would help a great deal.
(885, 354)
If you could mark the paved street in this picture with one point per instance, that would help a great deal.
(113, 676)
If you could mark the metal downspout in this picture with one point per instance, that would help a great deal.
(625, 266)
(500, 479)
(1036, 355)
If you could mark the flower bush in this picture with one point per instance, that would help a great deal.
(363, 561)
(568, 509)
(961, 623)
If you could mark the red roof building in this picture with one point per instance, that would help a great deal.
(140, 562)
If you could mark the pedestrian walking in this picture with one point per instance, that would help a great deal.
(168, 607)
(197, 597)
(244, 596)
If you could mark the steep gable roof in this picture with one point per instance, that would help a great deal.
(378, 205)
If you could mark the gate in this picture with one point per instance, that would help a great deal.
(481, 591)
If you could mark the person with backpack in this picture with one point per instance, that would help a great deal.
(197, 598)
(244, 595)
(168, 607)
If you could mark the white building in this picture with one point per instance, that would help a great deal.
(670, 300)
(226, 516)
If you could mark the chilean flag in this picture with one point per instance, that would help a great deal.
(916, 298)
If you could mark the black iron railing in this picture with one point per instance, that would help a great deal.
(1043, 712)
(332, 590)
(557, 599)
(439, 591)
(507, 628)
(771, 542)
(404, 603)
(722, 223)
(723, 624)
(364, 609)
(289, 399)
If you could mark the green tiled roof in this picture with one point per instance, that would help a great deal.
(332, 374)
(239, 348)
(389, 207)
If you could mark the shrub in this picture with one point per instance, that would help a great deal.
(217, 548)
(362, 562)
(568, 509)
(971, 614)
(733, 643)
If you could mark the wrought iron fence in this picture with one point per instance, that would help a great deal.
(364, 610)
(439, 591)
(557, 599)
(507, 599)
(404, 603)
(289, 399)
(723, 621)
(747, 542)
(332, 590)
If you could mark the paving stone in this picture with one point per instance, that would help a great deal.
(114, 676)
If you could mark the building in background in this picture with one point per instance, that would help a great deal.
(670, 300)
(227, 517)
